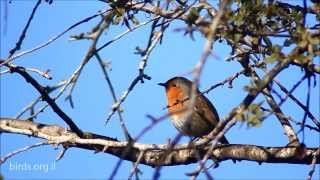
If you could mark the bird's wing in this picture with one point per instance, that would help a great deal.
(209, 113)
(205, 108)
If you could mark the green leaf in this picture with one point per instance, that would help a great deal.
(254, 115)
(193, 15)
(271, 59)
(237, 37)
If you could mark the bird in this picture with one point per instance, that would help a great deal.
(203, 116)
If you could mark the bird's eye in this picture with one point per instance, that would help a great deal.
(174, 85)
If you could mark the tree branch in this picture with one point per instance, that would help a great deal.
(294, 99)
(289, 131)
(53, 38)
(26, 148)
(58, 135)
(24, 31)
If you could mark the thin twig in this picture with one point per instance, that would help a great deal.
(96, 33)
(54, 38)
(38, 99)
(24, 31)
(289, 131)
(313, 165)
(302, 106)
(4, 72)
(136, 164)
(213, 145)
(6, 157)
(306, 125)
(307, 106)
(171, 145)
(204, 169)
(228, 80)
(70, 80)
(61, 153)
(44, 74)
(106, 75)
(125, 33)
(153, 122)
(287, 93)
(92, 50)
(289, 118)
(140, 77)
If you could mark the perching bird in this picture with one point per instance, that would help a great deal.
(204, 116)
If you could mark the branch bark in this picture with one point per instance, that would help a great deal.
(152, 155)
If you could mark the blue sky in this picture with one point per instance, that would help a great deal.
(177, 55)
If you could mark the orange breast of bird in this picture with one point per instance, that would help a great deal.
(176, 100)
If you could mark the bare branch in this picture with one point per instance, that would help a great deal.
(44, 74)
(140, 77)
(136, 164)
(52, 39)
(292, 136)
(24, 31)
(6, 157)
(289, 94)
(125, 33)
(313, 165)
(58, 135)
(106, 75)
(95, 34)
(61, 153)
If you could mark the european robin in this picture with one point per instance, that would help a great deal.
(201, 120)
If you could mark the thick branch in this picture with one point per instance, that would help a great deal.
(58, 135)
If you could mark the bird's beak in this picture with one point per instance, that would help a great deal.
(162, 84)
